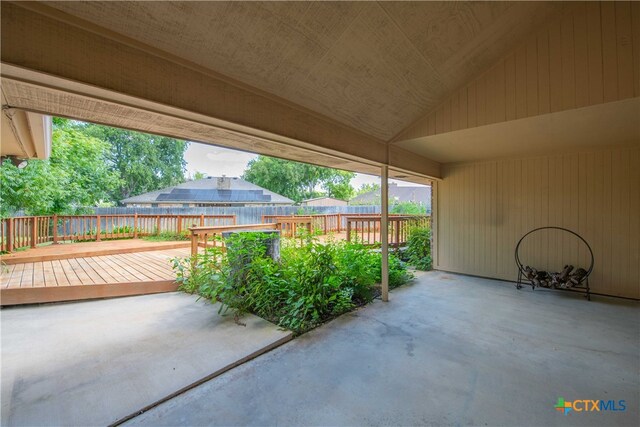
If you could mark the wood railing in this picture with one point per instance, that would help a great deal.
(205, 237)
(325, 223)
(30, 231)
(366, 229)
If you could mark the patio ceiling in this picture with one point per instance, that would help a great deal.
(340, 84)
(373, 66)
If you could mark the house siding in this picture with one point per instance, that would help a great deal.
(483, 208)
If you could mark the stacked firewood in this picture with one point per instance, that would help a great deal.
(565, 279)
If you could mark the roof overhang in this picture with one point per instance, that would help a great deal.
(25, 135)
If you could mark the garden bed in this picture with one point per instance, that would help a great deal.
(311, 283)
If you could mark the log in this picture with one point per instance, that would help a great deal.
(577, 277)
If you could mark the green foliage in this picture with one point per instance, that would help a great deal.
(298, 181)
(312, 282)
(121, 229)
(367, 188)
(144, 162)
(202, 273)
(197, 175)
(76, 175)
(407, 208)
(90, 165)
(167, 236)
(419, 248)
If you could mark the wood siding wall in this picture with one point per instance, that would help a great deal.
(589, 56)
(482, 210)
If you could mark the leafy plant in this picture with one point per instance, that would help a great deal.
(311, 283)
(419, 248)
(121, 229)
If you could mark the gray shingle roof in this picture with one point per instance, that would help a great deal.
(211, 190)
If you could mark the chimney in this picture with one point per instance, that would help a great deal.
(224, 183)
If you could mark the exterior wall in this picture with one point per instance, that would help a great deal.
(589, 56)
(482, 210)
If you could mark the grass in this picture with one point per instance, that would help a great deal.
(166, 237)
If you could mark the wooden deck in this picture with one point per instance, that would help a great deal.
(87, 277)
(87, 249)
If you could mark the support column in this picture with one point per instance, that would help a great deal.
(384, 230)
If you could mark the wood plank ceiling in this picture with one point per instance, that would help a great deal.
(374, 66)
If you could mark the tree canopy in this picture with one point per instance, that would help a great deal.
(299, 181)
(143, 161)
(367, 188)
(90, 165)
(77, 174)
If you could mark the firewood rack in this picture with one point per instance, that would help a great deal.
(582, 284)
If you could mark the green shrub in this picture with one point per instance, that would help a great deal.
(419, 248)
(312, 282)
(122, 229)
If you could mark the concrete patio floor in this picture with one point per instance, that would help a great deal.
(448, 350)
(93, 363)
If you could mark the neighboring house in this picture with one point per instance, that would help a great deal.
(212, 191)
(323, 201)
(397, 194)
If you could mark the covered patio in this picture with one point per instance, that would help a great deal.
(519, 114)
(459, 351)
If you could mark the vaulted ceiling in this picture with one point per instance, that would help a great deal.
(374, 66)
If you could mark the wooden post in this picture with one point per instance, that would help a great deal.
(158, 225)
(384, 231)
(98, 231)
(179, 224)
(135, 225)
(201, 220)
(34, 231)
(397, 242)
(10, 225)
(433, 224)
(325, 224)
(55, 229)
(194, 249)
(348, 230)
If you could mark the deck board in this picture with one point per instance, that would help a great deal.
(89, 277)
(16, 276)
(123, 268)
(60, 275)
(26, 280)
(88, 249)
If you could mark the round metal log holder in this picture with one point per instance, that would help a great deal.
(522, 274)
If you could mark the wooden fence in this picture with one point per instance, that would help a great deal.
(30, 231)
(366, 228)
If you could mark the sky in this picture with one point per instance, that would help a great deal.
(217, 161)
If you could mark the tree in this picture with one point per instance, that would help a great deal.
(76, 175)
(298, 181)
(339, 185)
(144, 162)
(367, 188)
(198, 175)
(407, 208)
